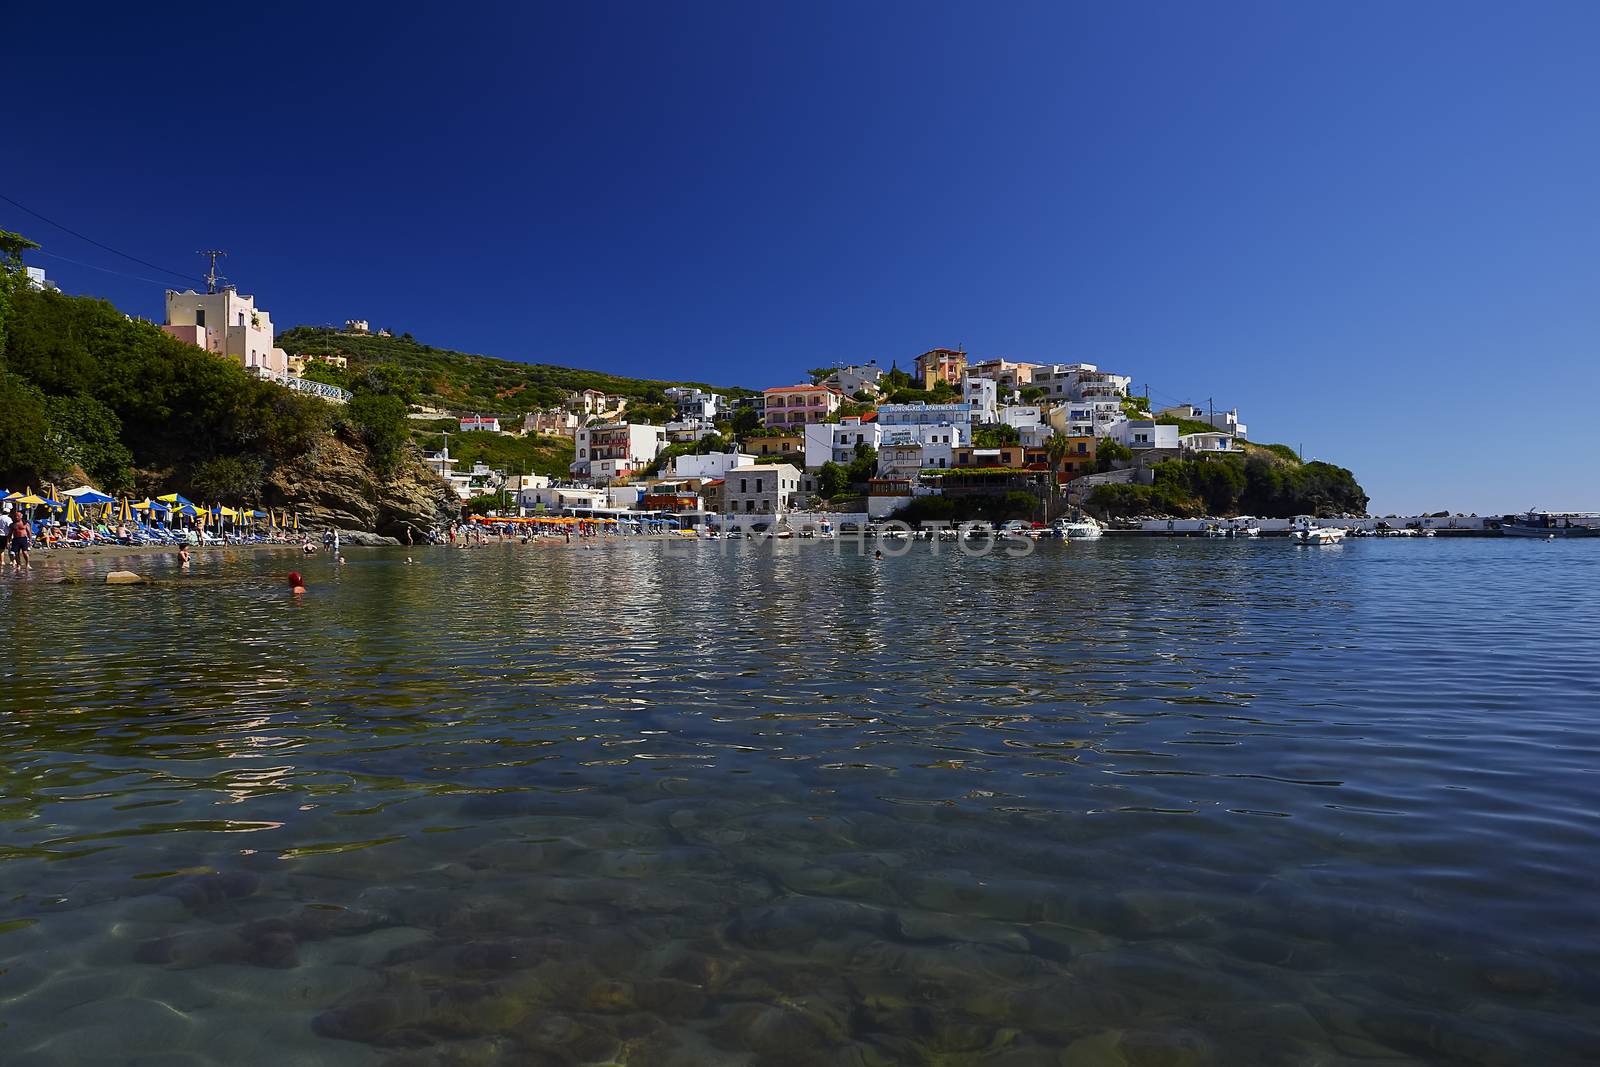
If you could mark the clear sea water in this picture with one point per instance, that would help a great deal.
(1167, 802)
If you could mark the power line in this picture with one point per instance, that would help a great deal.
(91, 266)
(97, 244)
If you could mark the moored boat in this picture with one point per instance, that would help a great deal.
(1552, 524)
(1084, 529)
(1304, 531)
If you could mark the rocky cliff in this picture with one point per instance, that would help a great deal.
(333, 485)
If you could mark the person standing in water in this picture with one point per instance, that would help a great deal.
(21, 542)
(296, 586)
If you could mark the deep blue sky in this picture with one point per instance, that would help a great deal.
(1372, 227)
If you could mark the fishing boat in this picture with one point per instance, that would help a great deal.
(1552, 524)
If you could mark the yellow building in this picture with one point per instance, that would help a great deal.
(941, 365)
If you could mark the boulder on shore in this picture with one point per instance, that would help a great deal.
(365, 539)
(123, 578)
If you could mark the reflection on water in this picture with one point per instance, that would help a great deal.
(1154, 803)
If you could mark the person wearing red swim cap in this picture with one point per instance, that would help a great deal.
(296, 586)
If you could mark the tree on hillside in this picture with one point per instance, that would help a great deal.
(380, 422)
(832, 480)
(818, 374)
(24, 431)
(865, 465)
(746, 421)
(999, 435)
(232, 478)
(12, 245)
(1108, 454)
(87, 434)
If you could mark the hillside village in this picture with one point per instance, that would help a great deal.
(946, 437)
(989, 438)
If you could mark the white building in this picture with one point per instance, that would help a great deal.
(920, 414)
(606, 451)
(357, 326)
(856, 377)
(1208, 443)
(697, 407)
(761, 489)
(560, 498)
(1022, 416)
(905, 458)
(480, 422)
(1140, 434)
(226, 323)
(1226, 421)
(982, 394)
(715, 465)
(835, 442)
(37, 280)
(1079, 381)
(1087, 418)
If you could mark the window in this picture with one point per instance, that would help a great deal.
(758, 485)
(199, 316)
(743, 486)
(241, 318)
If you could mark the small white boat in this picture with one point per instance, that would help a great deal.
(1304, 531)
(1084, 529)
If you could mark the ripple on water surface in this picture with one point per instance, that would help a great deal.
(1175, 802)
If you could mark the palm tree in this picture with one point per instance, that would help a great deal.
(1058, 447)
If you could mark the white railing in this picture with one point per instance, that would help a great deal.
(323, 390)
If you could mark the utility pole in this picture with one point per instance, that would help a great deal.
(212, 277)
(1211, 412)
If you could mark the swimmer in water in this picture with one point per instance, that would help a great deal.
(296, 586)
(183, 556)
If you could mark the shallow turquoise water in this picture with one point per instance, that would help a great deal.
(1152, 802)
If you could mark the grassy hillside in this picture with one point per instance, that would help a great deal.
(442, 377)
(546, 454)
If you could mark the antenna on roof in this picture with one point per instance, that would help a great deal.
(212, 277)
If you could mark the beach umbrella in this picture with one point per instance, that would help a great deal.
(86, 495)
(175, 498)
(74, 513)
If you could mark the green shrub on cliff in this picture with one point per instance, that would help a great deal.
(1231, 485)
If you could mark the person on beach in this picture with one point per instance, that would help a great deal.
(296, 586)
(408, 535)
(5, 536)
(21, 541)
